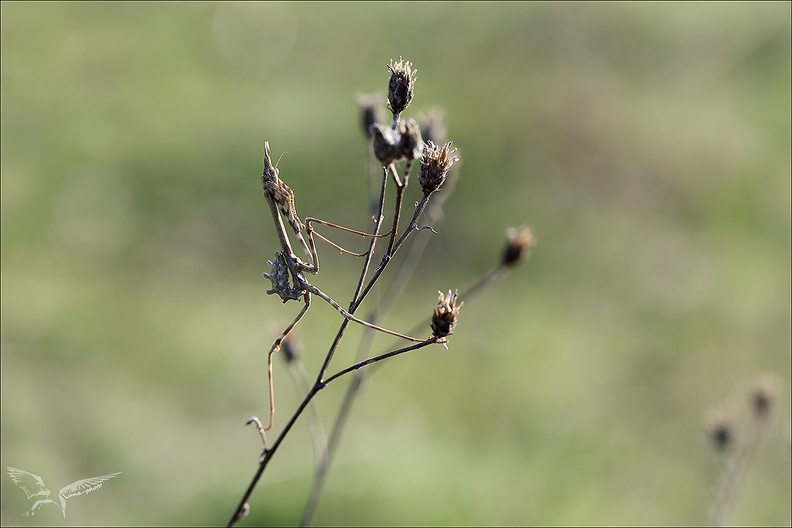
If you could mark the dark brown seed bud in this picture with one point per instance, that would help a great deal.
(385, 141)
(370, 111)
(291, 347)
(401, 86)
(444, 318)
(519, 243)
(392, 145)
(763, 396)
(435, 164)
(410, 143)
(720, 429)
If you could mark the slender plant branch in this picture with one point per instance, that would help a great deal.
(269, 452)
(315, 428)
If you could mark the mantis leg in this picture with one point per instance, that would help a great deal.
(274, 348)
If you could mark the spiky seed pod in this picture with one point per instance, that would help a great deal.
(370, 111)
(444, 318)
(519, 243)
(401, 86)
(435, 164)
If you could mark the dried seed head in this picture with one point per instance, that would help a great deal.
(721, 429)
(411, 145)
(435, 164)
(432, 125)
(385, 141)
(519, 243)
(291, 346)
(394, 144)
(444, 317)
(370, 111)
(763, 396)
(401, 86)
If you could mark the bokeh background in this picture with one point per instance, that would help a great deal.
(646, 144)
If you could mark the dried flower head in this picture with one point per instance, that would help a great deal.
(370, 111)
(411, 144)
(721, 429)
(291, 346)
(435, 164)
(385, 141)
(432, 124)
(444, 317)
(763, 396)
(401, 86)
(519, 243)
(394, 144)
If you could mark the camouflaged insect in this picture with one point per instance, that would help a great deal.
(280, 280)
(278, 191)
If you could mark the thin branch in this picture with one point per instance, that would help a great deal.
(268, 453)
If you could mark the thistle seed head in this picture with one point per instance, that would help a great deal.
(444, 318)
(519, 243)
(401, 86)
(435, 164)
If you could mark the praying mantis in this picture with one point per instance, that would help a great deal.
(288, 270)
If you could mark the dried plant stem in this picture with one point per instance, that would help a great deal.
(318, 386)
(733, 475)
(315, 428)
(386, 258)
(400, 186)
(357, 296)
(381, 357)
(403, 274)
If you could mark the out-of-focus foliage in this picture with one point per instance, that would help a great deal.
(646, 144)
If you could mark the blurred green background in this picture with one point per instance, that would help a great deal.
(646, 144)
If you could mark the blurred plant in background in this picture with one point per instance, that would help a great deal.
(648, 145)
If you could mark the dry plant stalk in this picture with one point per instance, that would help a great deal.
(736, 441)
(395, 148)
